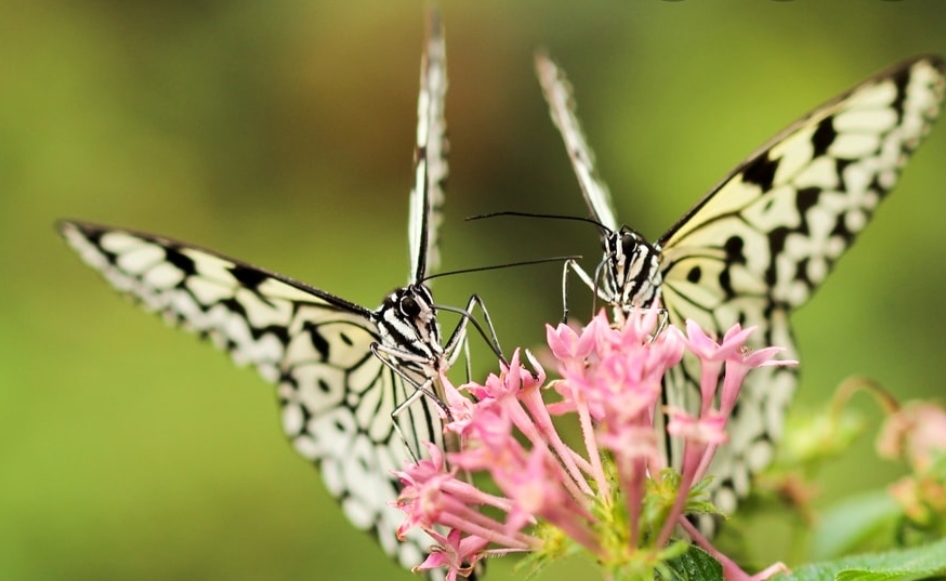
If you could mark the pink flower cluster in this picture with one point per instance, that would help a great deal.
(916, 433)
(616, 498)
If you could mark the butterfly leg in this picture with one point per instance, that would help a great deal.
(662, 322)
(458, 336)
(425, 390)
(395, 359)
(571, 266)
(591, 283)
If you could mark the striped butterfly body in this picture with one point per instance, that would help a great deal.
(349, 380)
(758, 244)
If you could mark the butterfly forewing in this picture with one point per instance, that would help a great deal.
(759, 244)
(355, 415)
(780, 221)
(430, 155)
(336, 397)
(558, 93)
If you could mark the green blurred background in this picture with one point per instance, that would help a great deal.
(281, 133)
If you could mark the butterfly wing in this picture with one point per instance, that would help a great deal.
(558, 94)
(430, 155)
(336, 397)
(761, 242)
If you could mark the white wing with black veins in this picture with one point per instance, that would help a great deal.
(336, 396)
(340, 403)
(759, 244)
(558, 93)
(430, 157)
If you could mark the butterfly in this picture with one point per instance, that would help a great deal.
(759, 244)
(350, 381)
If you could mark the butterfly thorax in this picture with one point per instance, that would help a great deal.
(407, 322)
(631, 269)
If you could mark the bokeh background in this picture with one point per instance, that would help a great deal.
(281, 133)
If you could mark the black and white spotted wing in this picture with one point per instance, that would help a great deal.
(430, 163)
(758, 244)
(338, 399)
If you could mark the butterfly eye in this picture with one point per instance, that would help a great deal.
(628, 244)
(409, 307)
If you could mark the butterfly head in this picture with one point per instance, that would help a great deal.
(407, 321)
(631, 268)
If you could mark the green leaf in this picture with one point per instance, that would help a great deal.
(905, 565)
(694, 565)
(850, 523)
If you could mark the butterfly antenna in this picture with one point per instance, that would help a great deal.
(535, 215)
(490, 336)
(500, 266)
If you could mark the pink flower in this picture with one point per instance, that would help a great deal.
(537, 490)
(738, 364)
(706, 430)
(916, 432)
(568, 347)
(612, 382)
(458, 555)
(636, 454)
(712, 355)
